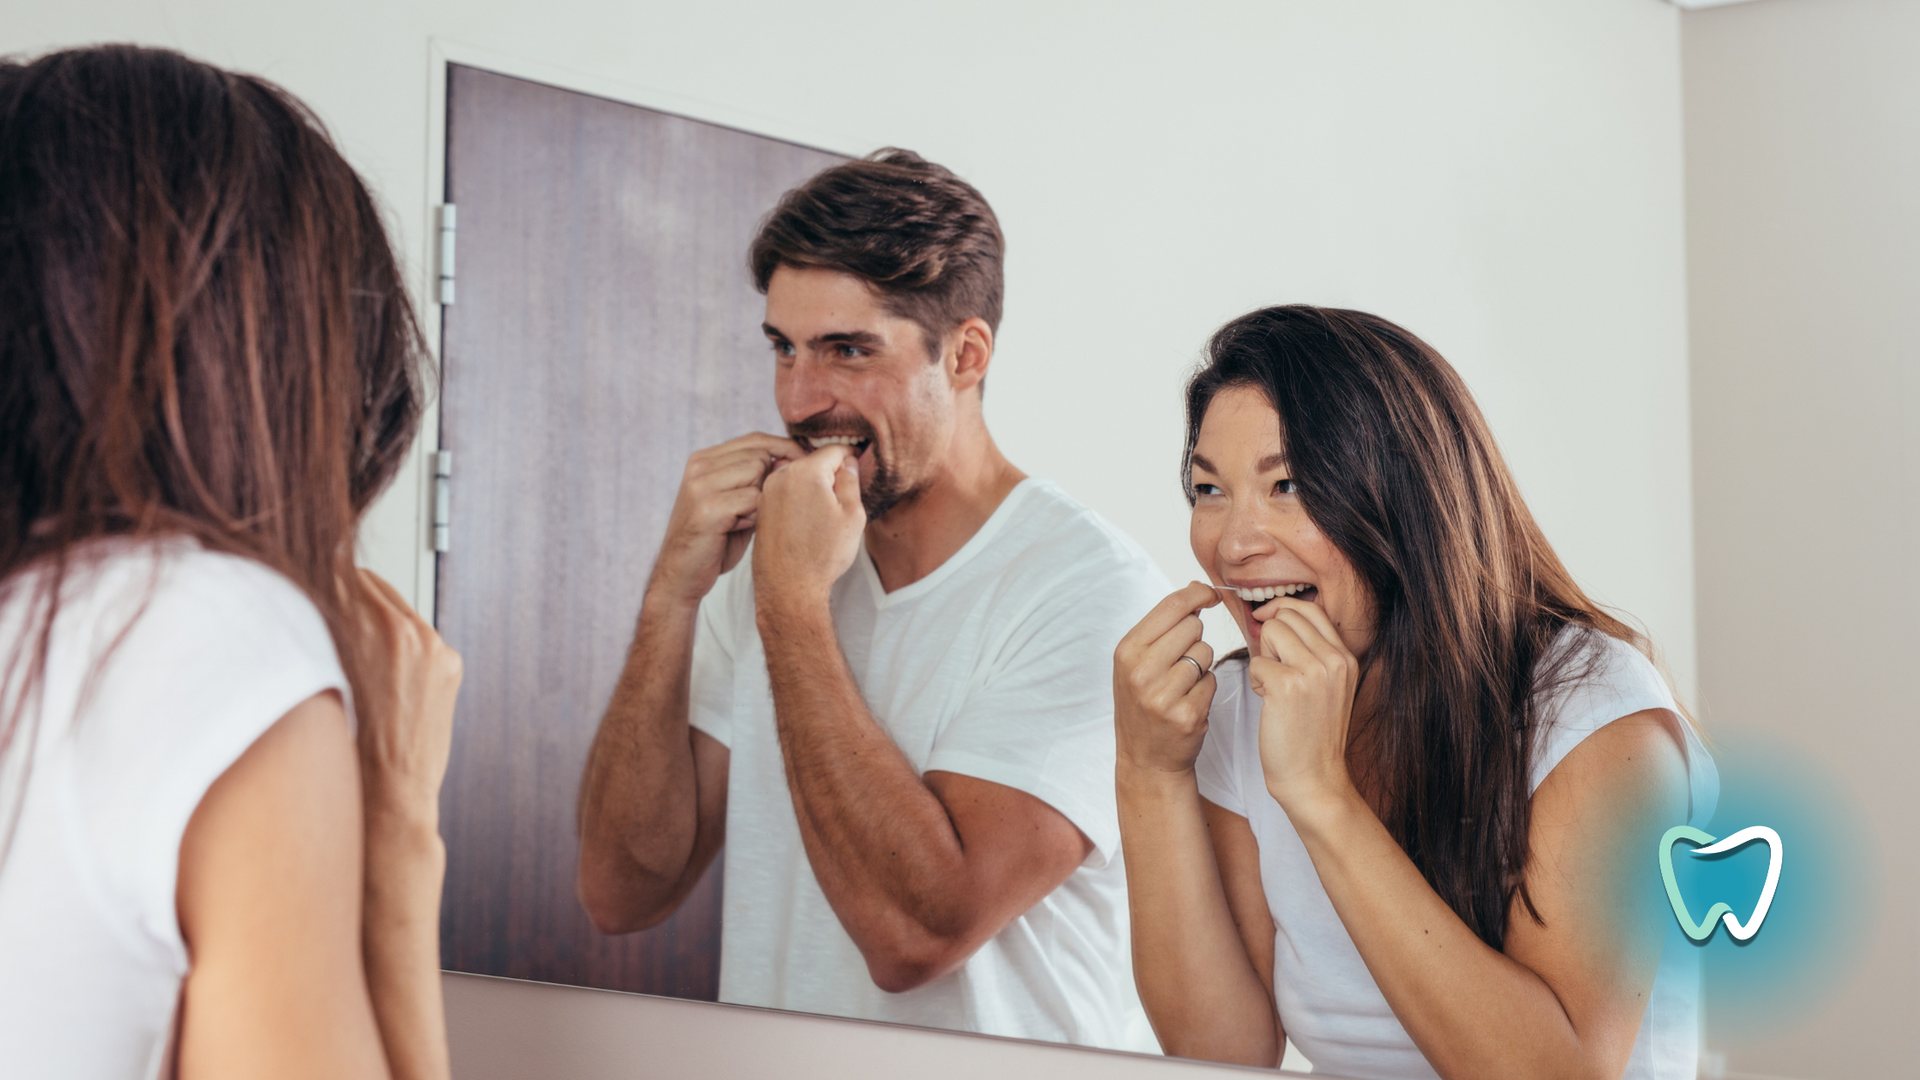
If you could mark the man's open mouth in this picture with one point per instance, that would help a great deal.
(815, 442)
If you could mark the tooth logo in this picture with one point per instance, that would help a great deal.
(1701, 931)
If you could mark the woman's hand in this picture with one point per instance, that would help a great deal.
(1163, 685)
(405, 682)
(1306, 680)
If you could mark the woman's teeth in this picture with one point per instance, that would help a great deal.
(1261, 595)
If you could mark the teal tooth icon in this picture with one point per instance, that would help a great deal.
(1720, 912)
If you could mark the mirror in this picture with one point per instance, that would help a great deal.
(605, 328)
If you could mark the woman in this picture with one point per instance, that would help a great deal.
(208, 369)
(1410, 828)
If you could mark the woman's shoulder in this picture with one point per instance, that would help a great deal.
(1587, 680)
(169, 615)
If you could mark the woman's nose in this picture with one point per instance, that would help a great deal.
(1245, 537)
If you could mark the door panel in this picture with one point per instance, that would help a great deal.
(604, 328)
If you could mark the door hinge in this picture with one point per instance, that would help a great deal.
(447, 223)
(443, 500)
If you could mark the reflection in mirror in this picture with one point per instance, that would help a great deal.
(857, 757)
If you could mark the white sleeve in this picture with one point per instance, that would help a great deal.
(218, 650)
(710, 691)
(1041, 719)
(1608, 679)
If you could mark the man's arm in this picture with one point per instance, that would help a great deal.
(921, 872)
(653, 799)
(653, 802)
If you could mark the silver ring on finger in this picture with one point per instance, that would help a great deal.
(1199, 672)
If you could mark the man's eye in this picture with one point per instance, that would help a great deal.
(783, 348)
(851, 351)
(1285, 487)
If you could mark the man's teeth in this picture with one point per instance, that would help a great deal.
(1269, 592)
(834, 440)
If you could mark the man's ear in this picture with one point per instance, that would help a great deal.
(969, 352)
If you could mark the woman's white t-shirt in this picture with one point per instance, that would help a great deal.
(1329, 1004)
(165, 663)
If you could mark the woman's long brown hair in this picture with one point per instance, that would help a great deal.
(203, 332)
(1396, 466)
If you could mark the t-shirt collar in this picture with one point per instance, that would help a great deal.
(978, 542)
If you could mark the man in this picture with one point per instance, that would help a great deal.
(894, 703)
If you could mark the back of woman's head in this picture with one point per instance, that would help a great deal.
(1395, 465)
(202, 327)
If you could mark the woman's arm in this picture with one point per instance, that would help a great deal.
(269, 902)
(1205, 987)
(309, 887)
(1566, 998)
(407, 681)
(1201, 981)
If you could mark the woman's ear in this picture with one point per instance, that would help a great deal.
(971, 354)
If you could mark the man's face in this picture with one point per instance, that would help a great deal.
(850, 370)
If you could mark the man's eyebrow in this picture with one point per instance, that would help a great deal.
(863, 338)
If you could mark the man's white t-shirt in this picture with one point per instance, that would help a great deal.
(998, 665)
(165, 663)
(1329, 1004)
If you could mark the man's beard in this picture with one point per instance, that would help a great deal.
(883, 492)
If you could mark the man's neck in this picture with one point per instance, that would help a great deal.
(914, 539)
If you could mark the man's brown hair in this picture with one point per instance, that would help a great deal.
(925, 240)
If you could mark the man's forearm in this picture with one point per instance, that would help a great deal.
(881, 843)
(638, 812)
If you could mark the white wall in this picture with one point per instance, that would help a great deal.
(1499, 175)
(1803, 182)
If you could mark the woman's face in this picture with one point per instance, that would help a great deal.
(1250, 531)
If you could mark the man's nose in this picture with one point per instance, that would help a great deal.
(803, 390)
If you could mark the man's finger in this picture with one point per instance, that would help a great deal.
(778, 445)
(725, 509)
(739, 468)
(846, 482)
(832, 456)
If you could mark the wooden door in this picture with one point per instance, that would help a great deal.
(604, 327)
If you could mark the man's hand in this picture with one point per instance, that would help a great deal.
(714, 514)
(810, 522)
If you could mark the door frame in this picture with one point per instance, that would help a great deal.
(442, 52)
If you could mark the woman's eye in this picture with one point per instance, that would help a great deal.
(1205, 489)
(1285, 487)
